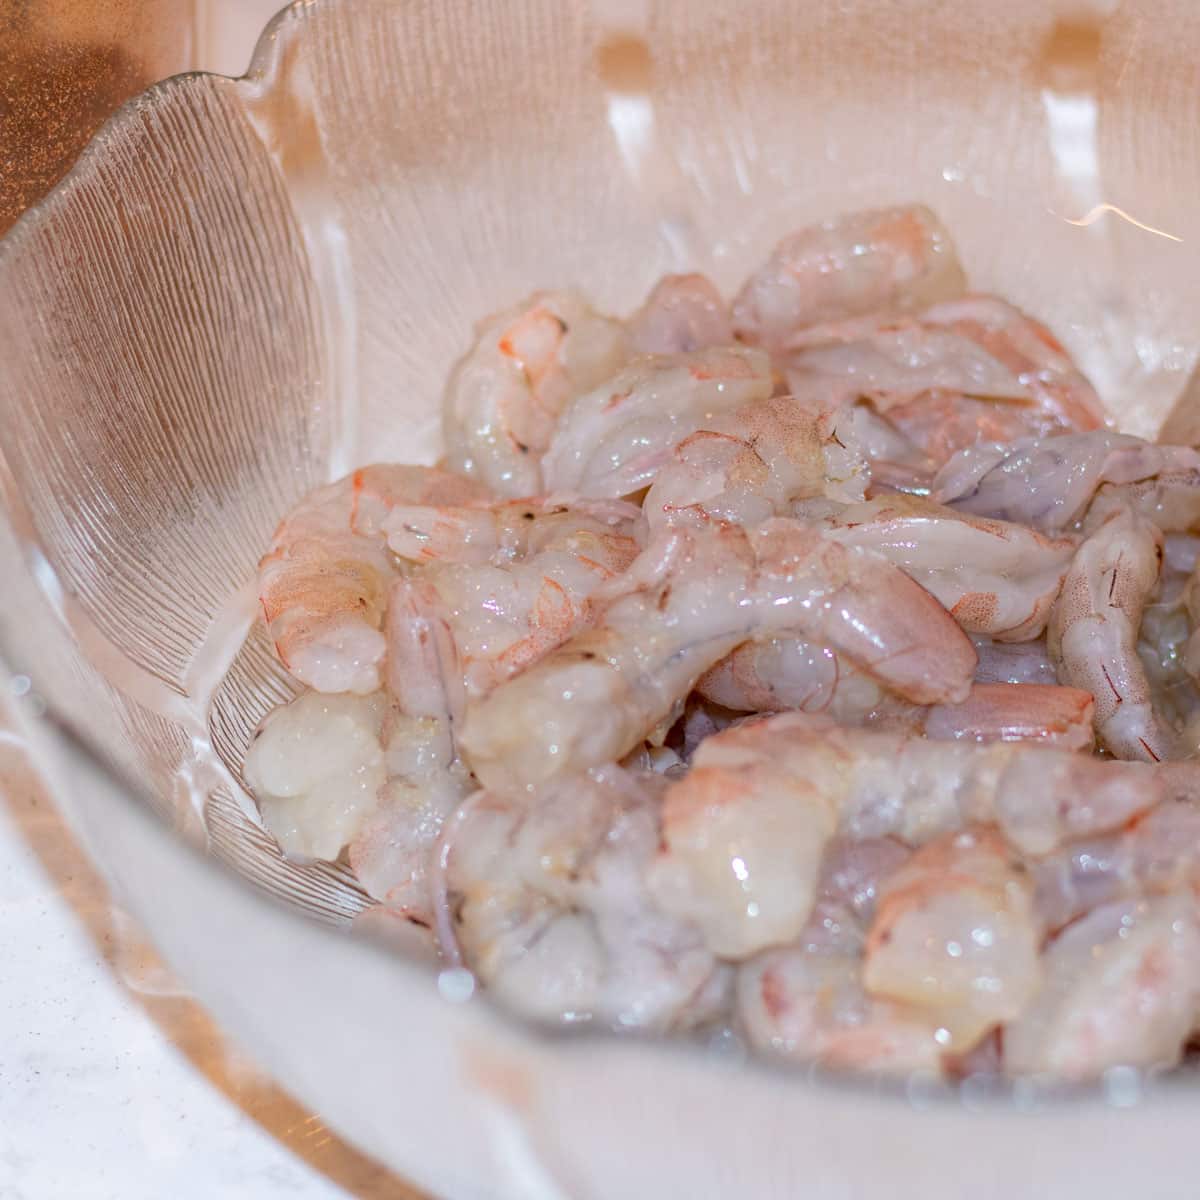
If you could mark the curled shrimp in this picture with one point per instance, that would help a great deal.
(956, 936)
(791, 674)
(322, 584)
(995, 577)
(893, 258)
(745, 831)
(1050, 483)
(1093, 635)
(751, 464)
(504, 398)
(597, 696)
(682, 314)
(553, 913)
(612, 440)
(1121, 988)
(794, 1004)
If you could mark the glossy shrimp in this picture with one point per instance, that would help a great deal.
(956, 936)
(683, 313)
(323, 583)
(791, 674)
(995, 577)
(695, 597)
(553, 913)
(505, 397)
(894, 258)
(1050, 483)
(1093, 635)
(751, 464)
(744, 833)
(534, 589)
(612, 440)
(1121, 988)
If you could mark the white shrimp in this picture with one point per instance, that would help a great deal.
(537, 591)
(612, 440)
(505, 397)
(892, 258)
(553, 913)
(956, 936)
(791, 674)
(794, 1004)
(745, 831)
(1049, 483)
(995, 577)
(1122, 988)
(697, 597)
(751, 464)
(1094, 629)
(315, 767)
(1159, 853)
(682, 314)
(323, 582)
(1013, 662)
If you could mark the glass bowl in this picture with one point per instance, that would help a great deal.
(246, 287)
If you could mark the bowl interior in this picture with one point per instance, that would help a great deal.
(247, 287)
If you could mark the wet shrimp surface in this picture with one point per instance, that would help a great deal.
(812, 666)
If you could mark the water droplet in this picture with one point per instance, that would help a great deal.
(456, 984)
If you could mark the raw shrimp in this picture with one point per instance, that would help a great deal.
(751, 464)
(502, 616)
(553, 912)
(794, 1004)
(600, 694)
(1093, 635)
(500, 533)
(391, 852)
(784, 674)
(1013, 662)
(1122, 988)
(315, 767)
(323, 582)
(892, 258)
(955, 936)
(995, 577)
(1049, 483)
(504, 398)
(1160, 852)
(612, 440)
(744, 833)
(682, 314)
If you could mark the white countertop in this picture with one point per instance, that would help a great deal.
(113, 1084)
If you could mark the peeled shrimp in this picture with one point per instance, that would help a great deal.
(682, 314)
(893, 258)
(748, 465)
(553, 913)
(995, 577)
(316, 766)
(1050, 483)
(322, 583)
(745, 831)
(501, 617)
(795, 1004)
(1013, 662)
(786, 674)
(1094, 629)
(1122, 988)
(1159, 853)
(955, 936)
(597, 696)
(505, 397)
(612, 440)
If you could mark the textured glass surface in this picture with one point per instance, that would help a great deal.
(246, 287)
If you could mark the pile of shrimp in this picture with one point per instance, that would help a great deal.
(817, 668)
